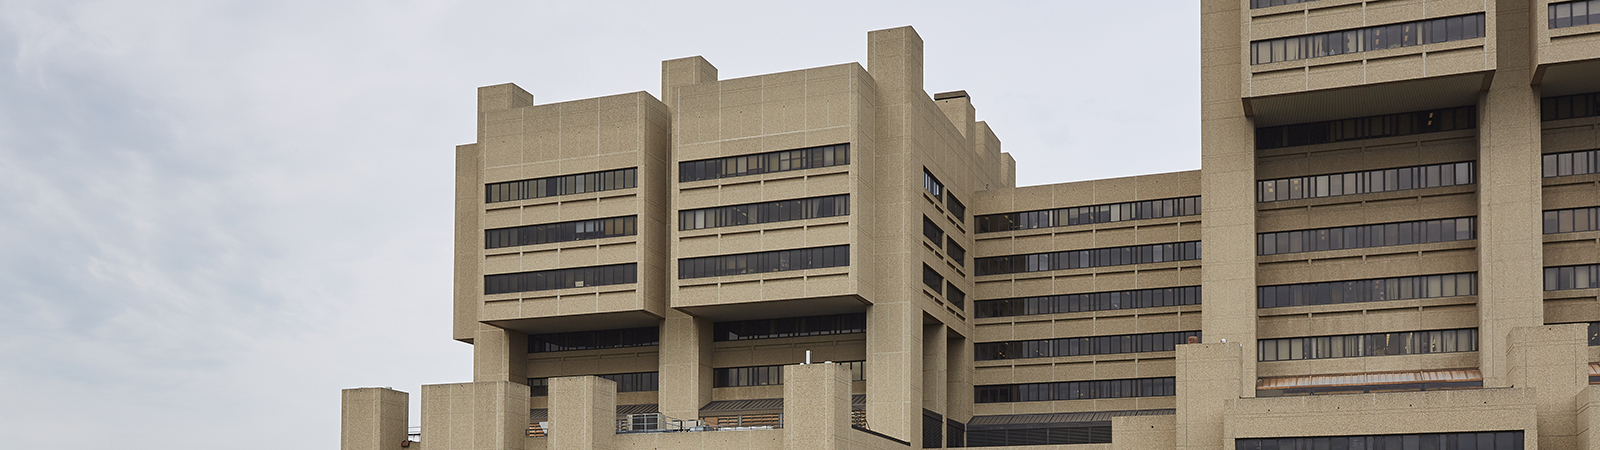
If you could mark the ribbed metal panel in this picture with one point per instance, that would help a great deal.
(1376, 378)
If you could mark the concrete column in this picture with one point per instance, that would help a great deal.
(499, 354)
(1207, 377)
(816, 406)
(1227, 152)
(687, 373)
(468, 281)
(935, 343)
(958, 379)
(373, 418)
(1510, 252)
(487, 415)
(683, 72)
(583, 413)
(894, 322)
(1553, 360)
(1588, 418)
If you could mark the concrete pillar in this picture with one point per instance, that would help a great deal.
(958, 381)
(1227, 152)
(1588, 418)
(468, 282)
(934, 366)
(683, 72)
(1553, 360)
(373, 418)
(1510, 243)
(1207, 375)
(816, 406)
(894, 322)
(487, 415)
(499, 354)
(687, 373)
(583, 413)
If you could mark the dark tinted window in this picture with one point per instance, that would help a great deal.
(789, 327)
(1080, 346)
(1365, 236)
(779, 211)
(1489, 440)
(783, 161)
(545, 280)
(762, 262)
(1569, 106)
(591, 340)
(560, 232)
(1096, 301)
(1083, 215)
(1371, 127)
(562, 185)
(1574, 14)
(1571, 163)
(1075, 390)
(1375, 290)
(1376, 344)
(1365, 182)
(1572, 277)
(1100, 257)
(1367, 39)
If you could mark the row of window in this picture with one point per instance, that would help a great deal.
(592, 340)
(1572, 14)
(1376, 290)
(1094, 345)
(1571, 220)
(1083, 434)
(1365, 236)
(1265, 3)
(1501, 440)
(752, 213)
(1381, 180)
(1096, 301)
(560, 232)
(770, 375)
(562, 185)
(1571, 163)
(1569, 106)
(1076, 390)
(1370, 388)
(1082, 215)
(1100, 257)
(1370, 127)
(932, 279)
(745, 330)
(780, 161)
(1572, 277)
(575, 277)
(762, 262)
(1367, 39)
(1376, 344)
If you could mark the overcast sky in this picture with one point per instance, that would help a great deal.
(214, 215)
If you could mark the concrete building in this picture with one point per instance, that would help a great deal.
(1399, 208)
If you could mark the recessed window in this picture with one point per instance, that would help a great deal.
(1572, 277)
(1365, 236)
(1084, 215)
(1095, 301)
(562, 185)
(1374, 290)
(545, 280)
(782, 161)
(767, 212)
(744, 330)
(594, 340)
(762, 262)
(1078, 259)
(1571, 163)
(1368, 39)
(1569, 106)
(1366, 182)
(1375, 344)
(560, 232)
(1488, 440)
(1081, 346)
(1076, 390)
(1370, 127)
(1574, 14)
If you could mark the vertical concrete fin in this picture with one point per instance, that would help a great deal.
(1227, 152)
(583, 413)
(684, 72)
(894, 58)
(373, 418)
(500, 355)
(816, 406)
(688, 339)
(467, 287)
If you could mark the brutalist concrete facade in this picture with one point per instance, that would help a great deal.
(1400, 230)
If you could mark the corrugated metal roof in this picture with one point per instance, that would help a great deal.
(1373, 378)
(1061, 418)
(760, 404)
(763, 404)
(543, 414)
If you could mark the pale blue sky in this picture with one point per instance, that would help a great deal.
(216, 214)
